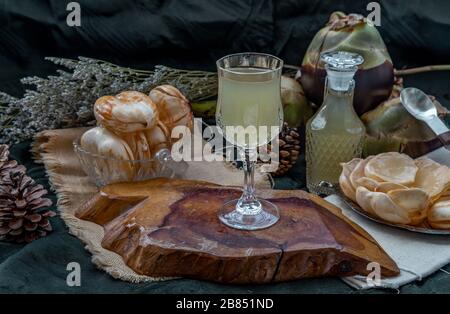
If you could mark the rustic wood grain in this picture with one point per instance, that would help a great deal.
(165, 227)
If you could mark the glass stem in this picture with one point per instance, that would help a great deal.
(248, 204)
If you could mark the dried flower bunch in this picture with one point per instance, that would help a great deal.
(22, 218)
(66, 100)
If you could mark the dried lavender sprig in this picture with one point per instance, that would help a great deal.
(66, 99)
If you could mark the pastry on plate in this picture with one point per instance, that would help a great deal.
(398, 189)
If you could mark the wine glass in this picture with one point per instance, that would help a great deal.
(249, 114)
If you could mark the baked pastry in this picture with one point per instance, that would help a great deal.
(391, 167)
(134, 126)
(102, 142)
(174, 109)
(398, 189)
(126, 112)
(402, 206)
(133, 117)
(433, 177)
(344, 180)
(439, 214)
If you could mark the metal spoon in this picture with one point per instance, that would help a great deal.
(420, 106)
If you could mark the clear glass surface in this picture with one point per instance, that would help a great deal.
(103, 170)
(335, 133)
(248, 111)
(333, 136)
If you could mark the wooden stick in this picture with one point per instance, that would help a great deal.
(292, 67)
(428, 68)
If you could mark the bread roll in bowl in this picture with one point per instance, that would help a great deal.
(126, 112)
(174, 109)
(133, 126)
(102, 142)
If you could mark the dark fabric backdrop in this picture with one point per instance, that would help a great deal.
(194, 33)
(189, 34)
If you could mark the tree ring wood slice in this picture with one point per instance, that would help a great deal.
(170, 228)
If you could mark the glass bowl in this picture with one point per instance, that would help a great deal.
(103, 170)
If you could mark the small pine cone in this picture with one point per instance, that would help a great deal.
(20, 200)
(289, 149)
(6, 165)
(4, 154)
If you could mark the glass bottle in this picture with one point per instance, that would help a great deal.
(335, 133)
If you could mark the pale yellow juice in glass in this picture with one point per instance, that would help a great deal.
(249, 101)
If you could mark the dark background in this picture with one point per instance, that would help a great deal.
(194, 33)
(190, 34)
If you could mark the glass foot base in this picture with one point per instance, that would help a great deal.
(265, 218)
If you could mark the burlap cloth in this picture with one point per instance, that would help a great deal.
(55, 150)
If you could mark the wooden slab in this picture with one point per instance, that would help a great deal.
(166, 227)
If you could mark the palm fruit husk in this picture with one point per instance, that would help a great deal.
(390, 127)
(296, 108)
(205, 109)
(352, 33)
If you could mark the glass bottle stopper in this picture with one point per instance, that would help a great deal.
(341, 67)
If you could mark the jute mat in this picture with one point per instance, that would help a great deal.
(72, 186)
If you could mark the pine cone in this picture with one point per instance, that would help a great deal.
(289, 148)
(20, 200)
(4, 154)
(6, 166)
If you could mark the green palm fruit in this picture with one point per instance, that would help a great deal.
(296, 107)
(352, 33)
(204, 109)
(391, 128)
